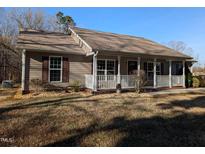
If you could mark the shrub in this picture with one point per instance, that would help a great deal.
(202, 81)
(189, 80)
(75, 85)
(140, 81)
(52, 87)
(196, 82)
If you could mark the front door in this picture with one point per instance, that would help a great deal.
(132, 67)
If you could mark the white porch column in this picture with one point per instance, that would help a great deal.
(94, 72)
(23, 88)
(191, 69)
(118, 70)
(155, 73)
(184, 85)
(138, 66)
(170, 74)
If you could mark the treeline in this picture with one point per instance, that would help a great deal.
(10, 61)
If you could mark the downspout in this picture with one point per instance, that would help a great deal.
(95, 71)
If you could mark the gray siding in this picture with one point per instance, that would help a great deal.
(78, 66)
(36, 67)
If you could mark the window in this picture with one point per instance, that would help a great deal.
(55, 69)
(132, 67)
(158, 71)
(106, 67)
(177, 68)
(149, 70)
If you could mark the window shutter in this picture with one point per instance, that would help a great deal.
(65, 77)
(45, 66)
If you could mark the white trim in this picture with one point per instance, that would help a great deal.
(61, 69)
(106, 65)
(118, 69)
(170, 73)
(184, 84)
(138, 66)
(23, 70)
(157, 62)
(81, 40)
(155, 73)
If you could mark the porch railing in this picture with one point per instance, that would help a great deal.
(89, 81)
(106, 81)
(177, 80)
(128, 81)
(163, 80)
(110, 81)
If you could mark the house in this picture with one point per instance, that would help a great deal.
(99, 60)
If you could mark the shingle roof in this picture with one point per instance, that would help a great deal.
(103, 41)
(48, 41)
(99, 41)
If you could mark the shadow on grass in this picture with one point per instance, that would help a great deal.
(181, 130)
(187, 104)
(40, 103)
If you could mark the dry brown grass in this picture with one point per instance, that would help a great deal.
(79, 119)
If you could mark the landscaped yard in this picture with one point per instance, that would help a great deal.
(79, 119)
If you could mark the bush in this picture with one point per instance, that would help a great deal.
(189, 80)
(202, 81)
(196, 82)
(140, 81)
(75, 85)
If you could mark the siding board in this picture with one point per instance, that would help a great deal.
(78, 65)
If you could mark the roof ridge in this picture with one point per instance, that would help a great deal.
(98, 31)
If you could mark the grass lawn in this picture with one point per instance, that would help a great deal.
(103, 120)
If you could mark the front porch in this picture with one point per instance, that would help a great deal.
(107, 82)
(109, 72)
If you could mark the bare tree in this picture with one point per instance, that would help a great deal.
(180, 46)
(10, 61)
(32, 19)
(7, 27)
(10, 23)
(184, 48)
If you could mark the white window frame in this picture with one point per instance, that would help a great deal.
(106, 70)
(152, 71)
(61, 69)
